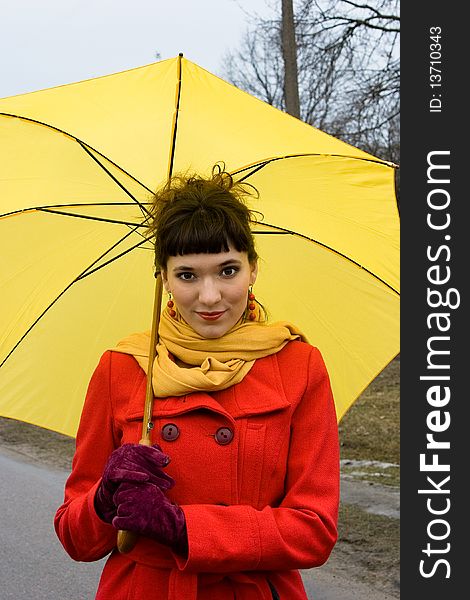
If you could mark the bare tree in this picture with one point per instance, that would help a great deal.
(289, 53)
(348, 69)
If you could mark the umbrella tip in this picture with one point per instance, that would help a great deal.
(180, 54)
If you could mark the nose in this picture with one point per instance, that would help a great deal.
(209, 293)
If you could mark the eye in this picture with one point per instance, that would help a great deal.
(186, 276)
(230, 271)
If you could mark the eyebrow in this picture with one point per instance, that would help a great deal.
(230, 261)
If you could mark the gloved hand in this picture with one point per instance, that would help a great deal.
(130, 463)
(144, 509)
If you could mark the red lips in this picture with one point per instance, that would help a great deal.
(211, 316)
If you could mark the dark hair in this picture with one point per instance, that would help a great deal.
(192, 214)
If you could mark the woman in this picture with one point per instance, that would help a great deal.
(240, 488)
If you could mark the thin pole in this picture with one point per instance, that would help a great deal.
(147, 424)
(126, 540)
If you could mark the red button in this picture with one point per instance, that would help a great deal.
(224, 436)
(170, 432)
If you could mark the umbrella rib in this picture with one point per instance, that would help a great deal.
(78, 140)
(271, 232)
(51, 208)
(282, 231)
(116, 181)
(257, 166)
(108, 262)
(175, 119)
(89, 217)
(82, 275)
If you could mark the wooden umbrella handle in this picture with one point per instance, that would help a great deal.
(126, 540)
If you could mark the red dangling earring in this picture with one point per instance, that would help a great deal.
(170, 305)
(251, 304)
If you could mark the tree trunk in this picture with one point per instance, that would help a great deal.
(289, 53)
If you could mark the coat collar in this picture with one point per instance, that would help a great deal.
(260, 392)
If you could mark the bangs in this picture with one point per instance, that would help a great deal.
(211, 234)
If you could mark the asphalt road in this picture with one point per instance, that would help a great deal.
(33, 563)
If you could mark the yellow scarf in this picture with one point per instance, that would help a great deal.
(209, 364)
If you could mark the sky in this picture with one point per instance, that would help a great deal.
(44, 43)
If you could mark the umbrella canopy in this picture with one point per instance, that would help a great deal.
(78, 164)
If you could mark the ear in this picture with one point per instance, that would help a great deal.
(254, 273)
(164, 276)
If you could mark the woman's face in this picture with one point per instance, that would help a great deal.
(210, 290)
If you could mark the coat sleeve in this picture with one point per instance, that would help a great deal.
(301, 531)
(82, 533)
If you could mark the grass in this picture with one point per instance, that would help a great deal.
(370, 431)
(370, 451)
(369, 548)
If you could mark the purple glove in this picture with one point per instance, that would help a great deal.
(130, 463)
(144, 508)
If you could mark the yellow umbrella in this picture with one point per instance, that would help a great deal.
(78, 164)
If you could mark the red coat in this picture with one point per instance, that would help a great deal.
(258, 506)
